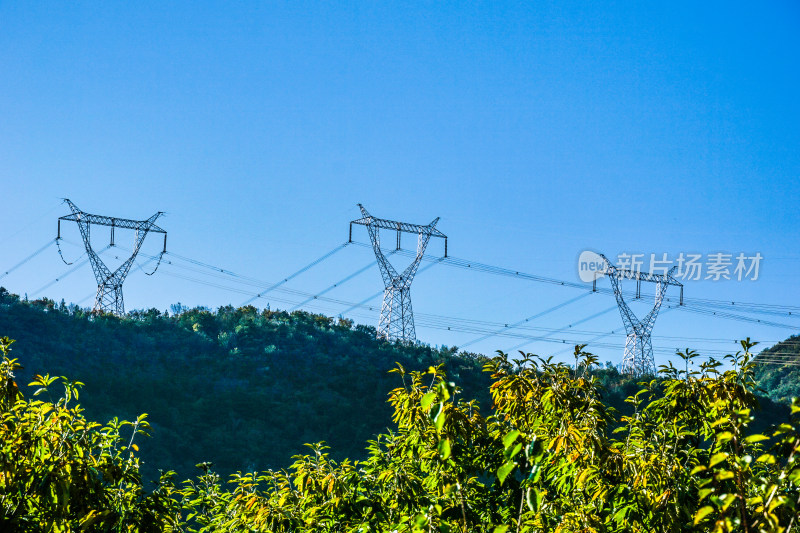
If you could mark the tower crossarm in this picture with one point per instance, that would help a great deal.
(638, 275)
(662, 280)
(100, 220)
(625, 273)
(424, 233)
(382, 223)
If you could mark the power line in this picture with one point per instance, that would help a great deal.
(269, 286)
(295, 274)
(32, 222)
(331, 287)
(591, 317)
(379, 293)
(460, 263)
(34, 254)
(457, 325)
(495, 270)
(733, 316)
(64, 275)
(525, 320)
(430, 321)
(310, 297)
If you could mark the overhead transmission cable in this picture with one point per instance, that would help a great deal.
(596, 338)
(297, 273)
(379, 293)
(331, 287)
(424, 319)
(437, 322)
(481, 267)
(741, 318)
(76, 266)
(34, 254)
(258, 282)
(702, 305)
(223, 273)
(491, 269)
(525, 320)
(39, 218)
(581, 321)
(139, 266)
(310, 297)
(348, 278)
(689, 303)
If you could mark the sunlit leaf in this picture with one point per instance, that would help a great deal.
(504, 470)
(702, 513)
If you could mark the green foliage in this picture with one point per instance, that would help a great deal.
(550, 456)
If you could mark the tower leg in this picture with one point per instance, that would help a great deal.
(397, 318)
(387, 314)
(407, 315)
(629, 355)
(637, 359)
(109, 299)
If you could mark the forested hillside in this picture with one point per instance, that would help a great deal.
(237, 387)
(781, 382)
(241, 388)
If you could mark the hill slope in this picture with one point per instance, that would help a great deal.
(781, 382)
(241, 388)
(237, 387)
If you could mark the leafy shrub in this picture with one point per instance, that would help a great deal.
(549, 456)
(59, 471)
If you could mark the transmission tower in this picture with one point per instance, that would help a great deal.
(637, 359)
(397, 319)
(109, 284)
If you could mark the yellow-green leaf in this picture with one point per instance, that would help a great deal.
(510, 437)
(503, 471)
(444, 449)
(702, 513)
(717, 458)
(427, 400)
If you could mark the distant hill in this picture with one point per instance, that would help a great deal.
(238, 387)
(242, 388)
(780, 378)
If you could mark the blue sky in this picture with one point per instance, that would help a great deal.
(534, 130)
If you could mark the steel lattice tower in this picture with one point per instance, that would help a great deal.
(397, 318)
(109, 284)
(637, 359)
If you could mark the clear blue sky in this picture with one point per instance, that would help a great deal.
(534, 130)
